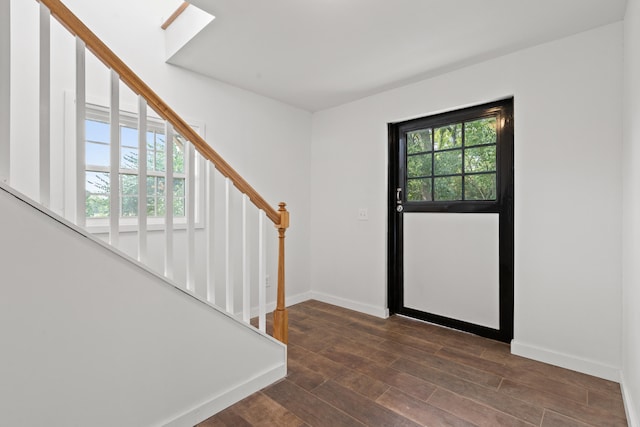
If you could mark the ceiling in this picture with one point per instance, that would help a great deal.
(316, 54)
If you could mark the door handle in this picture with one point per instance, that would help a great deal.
(399, 207)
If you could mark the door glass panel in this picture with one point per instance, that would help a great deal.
(419, 190)
(448, 188)
(480, 187)
(481, 131)
(419, 165)
(448, 162)
(480, 159)
(438, 159)
(419, 141)
(447, 137)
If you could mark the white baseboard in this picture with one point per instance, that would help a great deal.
(218, 403)
(351, 305)
(296, 299)
(630, 409)
(329, 299)
(567, 361)
(290, 300)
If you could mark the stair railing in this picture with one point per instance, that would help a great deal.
(86, 39)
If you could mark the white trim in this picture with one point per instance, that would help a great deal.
(566, 361)
(228, 398)
(351, 305)
(168, 211)
(289, 301)
(633, 419)
(45, 106)
(5, 90)
(295, 299)
(142, 180)
(130, 225)
(228, 279)
(210, 221)
(114, 160)
(190, 206)
(262, 274)
(79, 143)
(246, 284)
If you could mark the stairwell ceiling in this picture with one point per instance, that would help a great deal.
(316, 54)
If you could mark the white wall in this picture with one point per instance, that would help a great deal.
(567, 196)
(89, 339)
(568, 158)
(631, 216)
(266, 141)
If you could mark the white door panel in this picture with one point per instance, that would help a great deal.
(451, 265)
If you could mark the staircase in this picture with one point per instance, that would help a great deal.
(133, 255)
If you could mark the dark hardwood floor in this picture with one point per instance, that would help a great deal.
(350, 369)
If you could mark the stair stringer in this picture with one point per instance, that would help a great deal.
(91, 337)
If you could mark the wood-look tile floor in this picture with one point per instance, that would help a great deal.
(350, 369)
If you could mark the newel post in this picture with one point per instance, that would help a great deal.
(280, 315)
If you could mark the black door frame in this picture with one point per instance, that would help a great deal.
(504, 206)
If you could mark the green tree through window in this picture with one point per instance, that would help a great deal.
(97, 182)
(452, 162)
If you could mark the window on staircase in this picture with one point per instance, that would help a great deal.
(97, 171)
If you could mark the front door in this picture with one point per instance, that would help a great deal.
(451, 219)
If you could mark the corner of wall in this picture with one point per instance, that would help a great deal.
(632, 416)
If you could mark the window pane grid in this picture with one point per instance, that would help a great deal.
(97, 170)
(463, 159)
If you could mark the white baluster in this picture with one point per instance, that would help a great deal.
(227, 247)
(190, 207)
(262, 274)
(114, 164)
(81, 100)
(168, 209)
(210, 211)
(45, 105)
(246, 284)
(142, 180)
(5, 89)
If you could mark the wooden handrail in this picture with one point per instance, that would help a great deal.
(280, 217)
(135, 83)
(175, 15)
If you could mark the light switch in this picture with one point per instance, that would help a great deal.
(363, 214)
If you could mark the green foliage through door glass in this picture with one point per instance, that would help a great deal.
(441, 159)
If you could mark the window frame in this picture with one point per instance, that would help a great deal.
(99, 111)
(495, 109)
